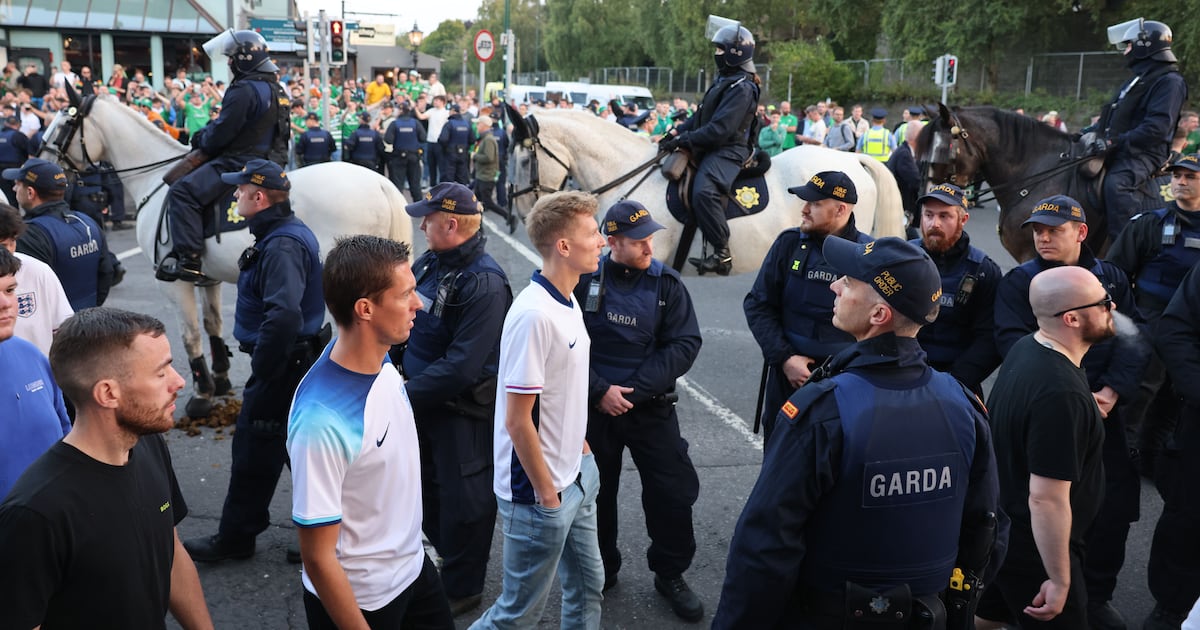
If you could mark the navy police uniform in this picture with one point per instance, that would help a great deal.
(455, 141)
(364, 147)
(881, 469)
(644, 336)
(406, 135)
(315, 146)
(14, 147)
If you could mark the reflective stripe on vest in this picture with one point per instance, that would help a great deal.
(876, 144)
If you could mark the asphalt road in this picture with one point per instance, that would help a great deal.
(715, 408)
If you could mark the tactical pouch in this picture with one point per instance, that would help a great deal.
(867, 609)
(478, 402)
(675, 164)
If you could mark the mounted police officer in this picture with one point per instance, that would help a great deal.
(790, 306)
(253, 124)
(406, 134)
(70, 242)
(961, 341)
(278, 320)
(721, 137)
(14, 149)
(880, 480)
(1137, 126)
(450, 361)
(644, 336)
(364, 147)
(316, 145)
(455, 142)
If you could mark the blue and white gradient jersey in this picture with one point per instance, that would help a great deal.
(355, 462)
(544, 351)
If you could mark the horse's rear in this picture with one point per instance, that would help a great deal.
(340, 199)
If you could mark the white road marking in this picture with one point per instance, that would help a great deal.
(708, 401)
(129, 252)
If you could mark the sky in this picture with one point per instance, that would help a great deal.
(427, 13)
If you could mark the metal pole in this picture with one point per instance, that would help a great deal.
(482, 82)
(509, 51)
(789, 87)
(1029, 77)
(464, 72)
(671, 81)
(866, 73)
(1079, 79)
(323, 35)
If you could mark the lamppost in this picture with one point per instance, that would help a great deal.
(415, 36)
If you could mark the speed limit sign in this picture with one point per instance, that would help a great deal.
(485, 46)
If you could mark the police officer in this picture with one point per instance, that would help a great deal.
(961, 341)
(451, 360)
(1137, 126)
(644, 336)
(70, 242)
(454, 142)
(1114, 369)
(1174, 568)
(364, 147)
(407, 137)
(860, 515)
(1156, 250)
(253, 124)
(278, 320)
(877, 142)
(316, 145)
(790, 306)
(721, 137)
(14, 147)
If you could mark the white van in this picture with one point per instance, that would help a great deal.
(583, 93)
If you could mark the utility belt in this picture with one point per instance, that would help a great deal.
(861, 608)
(405, 154)
(311, 345)
(477, 402)
(458, 149)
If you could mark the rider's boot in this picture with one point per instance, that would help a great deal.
(180, 266)
(720, 261)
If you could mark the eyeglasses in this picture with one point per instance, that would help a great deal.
(1107, 303)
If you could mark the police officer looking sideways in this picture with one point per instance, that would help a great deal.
(315, 145)
(14, 149)
(880, 479)
(961, 341)
(1114, 370)
(278, 319)
(721, 137)
(70, 242)
(644, 336)
(450, 361)
(454, 141)
(253, 124)
(789, 308)
(406, 135)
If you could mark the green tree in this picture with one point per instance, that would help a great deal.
(447, 41)
(821, 76)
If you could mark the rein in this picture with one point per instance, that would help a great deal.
(73, 124)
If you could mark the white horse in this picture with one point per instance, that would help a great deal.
(333, 199)
(593, 152)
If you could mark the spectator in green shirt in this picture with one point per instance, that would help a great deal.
(196, 111)
(790, 124)
(1189, 121)
(770, 139)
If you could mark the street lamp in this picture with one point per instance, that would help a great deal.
(415, 36)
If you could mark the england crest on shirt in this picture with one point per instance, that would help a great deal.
(26, 304)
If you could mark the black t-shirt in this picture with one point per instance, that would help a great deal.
(85, 544)
(1045, 422)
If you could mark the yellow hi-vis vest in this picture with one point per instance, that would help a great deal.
(875, 144)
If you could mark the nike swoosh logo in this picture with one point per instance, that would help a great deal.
(572, 344)
(379, 442)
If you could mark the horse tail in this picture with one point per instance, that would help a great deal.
(889, 208)
(400, 228)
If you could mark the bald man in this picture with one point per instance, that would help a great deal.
(1048, 433)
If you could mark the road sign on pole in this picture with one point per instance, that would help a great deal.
(485, 46)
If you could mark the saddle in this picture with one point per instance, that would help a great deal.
(1089, 185)
(746, 196)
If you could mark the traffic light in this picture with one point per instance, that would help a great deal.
(337, 43)
(939, 70)
(951, 70)
(307, 37)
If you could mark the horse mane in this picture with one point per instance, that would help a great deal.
(134, 118)
(588, 135)
(1016, 133)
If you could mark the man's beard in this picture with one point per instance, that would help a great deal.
(938, 242)
(141, 419)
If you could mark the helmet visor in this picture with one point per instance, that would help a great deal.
(715, 24)
(1117, 33)
(220, 46)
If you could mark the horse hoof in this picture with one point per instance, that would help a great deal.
(199, 408)
(223, 386)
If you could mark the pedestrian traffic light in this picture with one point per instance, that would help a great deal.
(939, 70)
(951, 70)
(337, 43)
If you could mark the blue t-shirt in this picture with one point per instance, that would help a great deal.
(32, 415)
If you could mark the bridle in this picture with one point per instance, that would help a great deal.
(69, 124)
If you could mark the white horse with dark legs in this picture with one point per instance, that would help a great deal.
(552, 145)
(333, 199)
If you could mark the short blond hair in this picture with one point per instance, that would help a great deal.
(468, 224)
(552, 215)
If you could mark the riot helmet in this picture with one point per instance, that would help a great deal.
(734, 42)
(1147, 40)
(246, 50)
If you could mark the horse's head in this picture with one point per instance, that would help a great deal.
(63, 141)
(534, 169)
(946, 151)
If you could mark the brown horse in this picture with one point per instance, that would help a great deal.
(1021, 159)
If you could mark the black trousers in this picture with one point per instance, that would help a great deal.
(486, 192)
(191, 195)
(1174, 569)
(421, 606)
(710, 191)
(669, 484)
(457, 498)
(454, 165)
(1123, 196)
(1014, 588)
(1105, 540)
(406, 170)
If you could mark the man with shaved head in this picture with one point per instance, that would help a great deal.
(1049, 433)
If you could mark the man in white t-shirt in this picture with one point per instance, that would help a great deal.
(41, 302)
(435, 117)
(356, 469)
(546, 480)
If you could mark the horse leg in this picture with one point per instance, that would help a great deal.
(183, 295)
(220, 351)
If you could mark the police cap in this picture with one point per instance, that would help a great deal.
(261, 173)
(12, 120)
(1190, 162)
(901, 273)
(312, 116)
(827, 185)
(631, 219)
(1055, 211)
(948, 194)
(39, 174)
(449, 197)
(879, 113)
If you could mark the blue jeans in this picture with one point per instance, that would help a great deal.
(536, 540)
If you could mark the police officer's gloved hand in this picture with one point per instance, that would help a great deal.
(668, 144)
(1099, 146)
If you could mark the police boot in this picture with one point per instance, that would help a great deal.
(184, 267)
(1105, 616)
(683, 601)
(720, 261)
(217, 548)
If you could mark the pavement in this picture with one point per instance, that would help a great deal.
(716, 408)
